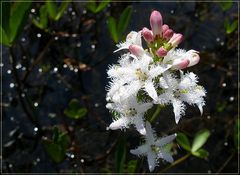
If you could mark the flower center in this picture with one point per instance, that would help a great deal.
(142, 76)
(155, 148)
(131, 112)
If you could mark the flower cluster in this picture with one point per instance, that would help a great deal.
(153, 76)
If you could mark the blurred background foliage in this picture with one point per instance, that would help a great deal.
(53, 71)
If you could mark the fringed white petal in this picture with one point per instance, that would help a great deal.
(165, 140)
(150, 89)
(178, 108)
(119, 123)
(143, 149)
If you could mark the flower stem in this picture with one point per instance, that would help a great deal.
(176, 162)
(156, 113)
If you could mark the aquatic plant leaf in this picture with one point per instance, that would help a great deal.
(200, 139)
(54, 150)
(226, 5)
(183, 141)
(120, 154)
(236, 134)
(132, 166)
(201, 153)
(74, 110)
(52, 9)
(43, 22)
(91, 5)
(18, 17)
(4, 38)
(124, 19)
(5, 15)
(112, 27)
(62, 9)
(101, 6)
(231, 27)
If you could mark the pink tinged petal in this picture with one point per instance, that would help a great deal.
(165, 140)
(150, 89)
(193, 57)
(166, 156)
(178, 109)
(161, 52)
(151, 157)
(147, 35)
(156, 23)
(168, 34)
(143, 149)
(165, 27)
(179, 64)
(118, 124)
(176, 39)
(136, 50)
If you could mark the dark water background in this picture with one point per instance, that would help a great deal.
(51, 85)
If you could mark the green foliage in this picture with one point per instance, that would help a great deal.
(117, 29)
(230, 27)
(94, 8)
(236, 134)
(13, 15)
(57, 146)
(120, 155)
(226, 5)
(132, 166)
(74, 110)
(52, 10)
(198, 141)
(183, 141)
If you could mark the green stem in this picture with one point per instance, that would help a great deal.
(176, 162)
(156, 113)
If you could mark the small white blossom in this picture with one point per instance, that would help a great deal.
(154, 148)
(130, 112)
(177, 91)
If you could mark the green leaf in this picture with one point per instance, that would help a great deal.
(226, 5)
(61, 9)
(132, 166)
(19, 15)
(43, 22)
(120, 155)
(91, 5)
(54, 150)
(5, 16)
(4, 38)
(101, 6)
(183, 141)
(52, 9)
(236, 134)
(124, 19)
(74, 110)
(232, 27)
(200, 139)
(201, 153)
(112, 27)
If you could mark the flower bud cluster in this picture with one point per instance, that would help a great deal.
(146, 78)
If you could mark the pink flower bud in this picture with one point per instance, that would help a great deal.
(168, 34)
(193, 57)
(136, 50)
(176, 39)
(180, 63)
(147, 35)
(156, 23)
(165, 27)
(161, 52)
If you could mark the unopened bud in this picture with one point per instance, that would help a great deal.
(161, 52)
(193, 57)
(176, 39)
(156, 23)
(147, 35)
(180, 63)
(165, 27)
(136, 50)
(168, 34)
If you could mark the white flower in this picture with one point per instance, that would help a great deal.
(154, 148)
(130, 112)
(132, 38)
(177, 91)
(139, 74)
